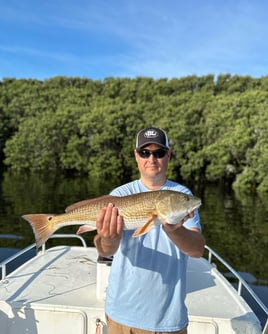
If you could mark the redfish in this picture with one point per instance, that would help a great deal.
(140, 212)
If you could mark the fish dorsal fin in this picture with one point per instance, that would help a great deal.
(76, 205)
(145, 228)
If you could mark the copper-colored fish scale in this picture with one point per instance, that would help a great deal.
(136, 209)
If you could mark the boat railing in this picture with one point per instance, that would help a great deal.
(241, 282)
(59, 236)
(3, 264)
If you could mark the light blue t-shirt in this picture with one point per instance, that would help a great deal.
(147, 282)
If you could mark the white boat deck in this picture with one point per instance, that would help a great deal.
(53, 291)
(58, 291)
(213, 303)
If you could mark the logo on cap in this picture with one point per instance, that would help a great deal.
(151, 134)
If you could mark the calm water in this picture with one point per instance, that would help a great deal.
(237, 228)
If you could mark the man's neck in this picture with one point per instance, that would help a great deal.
(153, 184)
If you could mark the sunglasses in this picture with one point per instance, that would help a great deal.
(157, 154)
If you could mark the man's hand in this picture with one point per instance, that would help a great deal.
(109, 227)
(172, 227)
(109, 224)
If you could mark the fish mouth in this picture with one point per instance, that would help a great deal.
(194, 208)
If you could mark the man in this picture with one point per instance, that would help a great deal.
(147, 283)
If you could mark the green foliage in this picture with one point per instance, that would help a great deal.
(217, 127)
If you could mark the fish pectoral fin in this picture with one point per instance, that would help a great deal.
(85, 228)
(145, 228)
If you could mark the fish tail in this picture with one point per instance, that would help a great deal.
(42, 227)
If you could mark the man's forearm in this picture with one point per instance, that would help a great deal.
(190, 242)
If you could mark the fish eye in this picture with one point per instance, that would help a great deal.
(49, 218)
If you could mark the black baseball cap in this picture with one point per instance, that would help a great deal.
(152, 136)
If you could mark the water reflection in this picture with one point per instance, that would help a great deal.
(237, 228)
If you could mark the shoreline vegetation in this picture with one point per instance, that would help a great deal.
(217, 125)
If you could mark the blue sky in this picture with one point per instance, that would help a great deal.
(127, 38)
